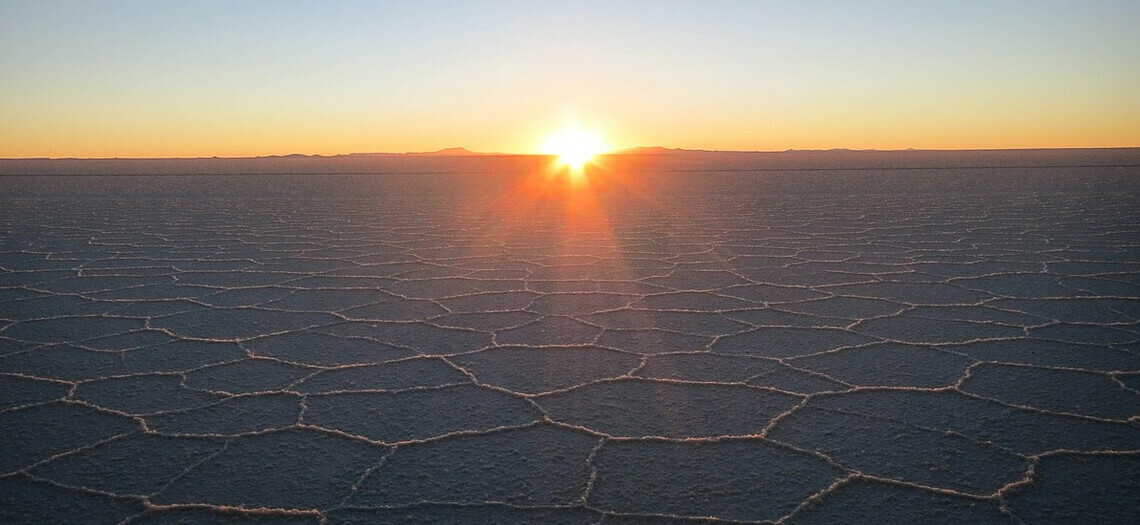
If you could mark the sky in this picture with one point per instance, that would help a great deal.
(166, 78)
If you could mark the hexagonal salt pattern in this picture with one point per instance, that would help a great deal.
(443, 349)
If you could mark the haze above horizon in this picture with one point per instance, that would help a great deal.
(213, 78)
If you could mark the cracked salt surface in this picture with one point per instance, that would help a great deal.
(359, 349)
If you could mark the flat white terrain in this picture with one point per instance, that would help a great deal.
(724, 347)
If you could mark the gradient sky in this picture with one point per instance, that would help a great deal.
(226, 78)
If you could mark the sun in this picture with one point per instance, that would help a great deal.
(575, 146)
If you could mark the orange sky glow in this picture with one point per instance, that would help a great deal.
(144, 79)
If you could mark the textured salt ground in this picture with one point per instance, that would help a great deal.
(340, 353)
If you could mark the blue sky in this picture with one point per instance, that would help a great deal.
(162, 78)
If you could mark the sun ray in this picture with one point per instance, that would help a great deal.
(575, 146)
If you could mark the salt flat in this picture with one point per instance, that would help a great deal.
(724, 347)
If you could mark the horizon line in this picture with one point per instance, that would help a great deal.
(460, 151)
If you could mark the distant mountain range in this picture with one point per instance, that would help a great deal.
(648, 159)
(446, 152)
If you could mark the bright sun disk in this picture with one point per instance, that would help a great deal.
(575, 146)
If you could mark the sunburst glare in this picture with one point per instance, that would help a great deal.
(575, 146)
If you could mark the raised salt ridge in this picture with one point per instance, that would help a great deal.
(450, 349)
